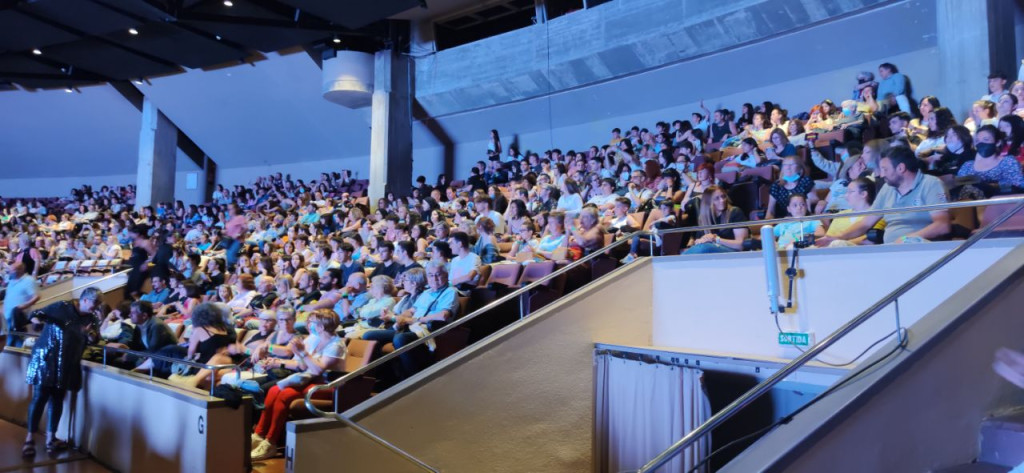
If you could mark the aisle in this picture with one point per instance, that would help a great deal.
(12, 437)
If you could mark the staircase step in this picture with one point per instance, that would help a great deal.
(1002, 440)
(975, 468)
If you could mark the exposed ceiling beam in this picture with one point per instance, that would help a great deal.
(135, 97)
(82, 35)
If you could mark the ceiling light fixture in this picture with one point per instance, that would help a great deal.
(218, 37)
(336, 39)
(229, 3)
(137, 81)
(133, 31)
(36, 51)
(68, 90)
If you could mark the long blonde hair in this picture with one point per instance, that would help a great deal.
(707, 213)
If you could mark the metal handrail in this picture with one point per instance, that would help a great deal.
(141, 354)
(90, 283)
(766, 385)
(627, 238)
(434, 334)
(861, 213)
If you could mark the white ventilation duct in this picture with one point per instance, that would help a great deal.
(348, 79)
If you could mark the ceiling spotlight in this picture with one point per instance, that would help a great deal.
(133, 31)
(137, 81)
(68, 90)
(229, 3)
(336, 40)
(218, 37)
(36, 51)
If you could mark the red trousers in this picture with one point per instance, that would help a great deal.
(275, 411)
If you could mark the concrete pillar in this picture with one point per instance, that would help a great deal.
(391, 126)
(158, 151)
(975, 38)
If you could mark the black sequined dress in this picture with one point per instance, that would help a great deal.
(57, 355)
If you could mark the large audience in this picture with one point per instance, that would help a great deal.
(277, 275)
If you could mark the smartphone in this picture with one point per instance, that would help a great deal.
(812, 137)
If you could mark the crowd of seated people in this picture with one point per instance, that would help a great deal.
(279, 276)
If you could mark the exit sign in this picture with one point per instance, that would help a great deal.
(795, 338)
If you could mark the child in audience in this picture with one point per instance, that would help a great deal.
(789, 233)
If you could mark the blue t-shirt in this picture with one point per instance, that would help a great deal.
(789, 232)
(431, 302)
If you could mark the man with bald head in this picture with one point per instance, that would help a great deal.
(22, 293)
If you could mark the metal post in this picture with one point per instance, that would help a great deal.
(71, 421)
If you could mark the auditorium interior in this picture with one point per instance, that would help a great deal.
(511, 236)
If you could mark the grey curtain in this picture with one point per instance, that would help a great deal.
(641, 409)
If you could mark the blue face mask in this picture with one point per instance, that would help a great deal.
(847, 112)
(792, 178)
(844, 156)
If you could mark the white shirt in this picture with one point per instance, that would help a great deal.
(600, 200)
(112, 252)
(193, 234)
(463, 265)
(19, 291)
(570, 204)
(499, 222)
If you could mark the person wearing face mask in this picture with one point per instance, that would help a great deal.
(792, 180)
(836, 201)
(323, 351)
(851, 119)
(996, 173)
(843, 152)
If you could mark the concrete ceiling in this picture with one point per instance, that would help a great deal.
(441, 8)
(272, 112)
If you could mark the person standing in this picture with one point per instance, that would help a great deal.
(138, 262)
(55, 366)
(235, 231)
(22, 292)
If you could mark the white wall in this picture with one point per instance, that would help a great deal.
(305, 170)
(718, 304)
(58, 186)
(920, 409)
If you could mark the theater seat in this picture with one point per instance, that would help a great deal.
(535, 271)
(351, 394)
(485, 275)
(358, 354)
(504, 274)
(1012, 227)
